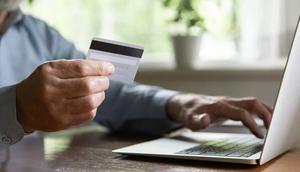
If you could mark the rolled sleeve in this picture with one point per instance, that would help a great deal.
(10, 129)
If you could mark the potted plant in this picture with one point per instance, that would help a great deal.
(188, 26)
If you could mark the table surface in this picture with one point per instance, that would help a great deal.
(88, 148)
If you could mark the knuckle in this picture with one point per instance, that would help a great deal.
(87, 86)
(81, 68)
(43, 70)
(218, 103)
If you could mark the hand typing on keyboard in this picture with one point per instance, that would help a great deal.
(198, 111)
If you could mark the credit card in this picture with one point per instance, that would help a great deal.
(125, 57)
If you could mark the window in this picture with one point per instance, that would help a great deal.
(237, 29)
(134, 21)
(267, 28)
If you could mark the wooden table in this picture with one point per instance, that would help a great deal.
(89, 148)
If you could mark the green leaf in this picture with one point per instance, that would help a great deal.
(167, 3)
(186, 12)
(186, 5)
(30, 1)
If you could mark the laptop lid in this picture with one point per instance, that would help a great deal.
(284, 129)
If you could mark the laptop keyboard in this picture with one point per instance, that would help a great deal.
(234, 147)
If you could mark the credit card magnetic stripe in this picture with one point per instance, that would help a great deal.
(101, 45)
(114, 58)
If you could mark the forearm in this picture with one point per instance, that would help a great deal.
(10, 129)
(137, 109)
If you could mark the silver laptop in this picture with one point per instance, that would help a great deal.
(239, 148)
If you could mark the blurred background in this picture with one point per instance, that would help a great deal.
(216, 47)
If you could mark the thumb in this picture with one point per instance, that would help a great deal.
(199, 121)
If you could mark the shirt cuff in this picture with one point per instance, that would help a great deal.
(11, 130)
(160, 102)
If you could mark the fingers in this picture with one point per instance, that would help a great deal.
(81, 68)
(78, 87)
(83, 104)
(72, 120)
(198, 111)
(255, 106)
(270, 109)
(84, 117)
(228, 111)
(263, 113)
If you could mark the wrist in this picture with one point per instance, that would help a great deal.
(173, 108)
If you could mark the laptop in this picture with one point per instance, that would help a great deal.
(281, 136)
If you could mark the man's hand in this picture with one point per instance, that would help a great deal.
(60, 94)
(198, 111)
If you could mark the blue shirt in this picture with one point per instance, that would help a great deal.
(28, 42)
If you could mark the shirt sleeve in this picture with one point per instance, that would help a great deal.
(10, 130)
(56, 46)
(61, 48)
(136, 109)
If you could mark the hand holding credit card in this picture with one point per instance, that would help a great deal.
(125, 57)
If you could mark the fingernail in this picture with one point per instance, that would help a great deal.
(109, 67)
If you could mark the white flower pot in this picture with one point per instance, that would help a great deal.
(186, 50)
